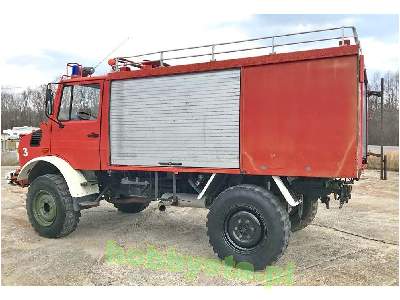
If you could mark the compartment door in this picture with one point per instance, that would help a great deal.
(189, 120)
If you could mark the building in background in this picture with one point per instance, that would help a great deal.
(10, 137)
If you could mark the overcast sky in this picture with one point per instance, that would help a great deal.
(38, 45)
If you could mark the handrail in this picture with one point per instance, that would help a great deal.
(273, 45)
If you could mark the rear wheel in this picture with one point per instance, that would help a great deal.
(50, 207)
(301, 217)
(250, 224)
(131, 208)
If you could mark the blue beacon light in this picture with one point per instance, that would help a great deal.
(75, 70)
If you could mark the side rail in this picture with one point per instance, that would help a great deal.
(344, 34)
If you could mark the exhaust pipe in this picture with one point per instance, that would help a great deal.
(182, 200)
(161, 206)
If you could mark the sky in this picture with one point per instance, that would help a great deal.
(40, 42)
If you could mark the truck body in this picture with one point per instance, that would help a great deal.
(289, 127)
(292, 114)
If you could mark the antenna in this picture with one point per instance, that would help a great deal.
(115, 49)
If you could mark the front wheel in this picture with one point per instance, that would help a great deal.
(50, 207)
(250, 224)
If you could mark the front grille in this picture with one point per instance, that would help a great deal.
(36, 137)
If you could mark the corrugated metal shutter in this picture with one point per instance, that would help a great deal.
(192, 119)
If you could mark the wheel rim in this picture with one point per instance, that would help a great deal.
(44, 208)
(244, 229)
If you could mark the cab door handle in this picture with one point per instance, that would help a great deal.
(93, 135)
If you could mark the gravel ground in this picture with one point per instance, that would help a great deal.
(357, 245)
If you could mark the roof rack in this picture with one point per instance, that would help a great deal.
(274, 42)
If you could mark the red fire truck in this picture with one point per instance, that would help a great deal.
(257, 140)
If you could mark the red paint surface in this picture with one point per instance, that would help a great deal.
(33, 152)
(299, 116)
(72, 142)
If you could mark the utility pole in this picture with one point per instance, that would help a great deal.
(382, 156)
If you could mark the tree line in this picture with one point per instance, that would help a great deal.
(24, 108)
(390, 136)
(27, 108)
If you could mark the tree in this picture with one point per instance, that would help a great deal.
(390, 110)
(23, 108)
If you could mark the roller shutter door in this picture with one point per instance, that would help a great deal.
(188, 119)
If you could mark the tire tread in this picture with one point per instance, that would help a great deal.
(309, 214)
(71, 216)
(284, 217)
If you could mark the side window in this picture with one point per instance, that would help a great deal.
(64, 113)
(79, 102)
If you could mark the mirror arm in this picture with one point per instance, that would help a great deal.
(61, 125)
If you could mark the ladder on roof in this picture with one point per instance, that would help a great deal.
(346, 35)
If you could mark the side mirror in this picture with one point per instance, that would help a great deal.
(48, 106)
(49, 101)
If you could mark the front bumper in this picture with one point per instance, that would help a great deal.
(12, 178)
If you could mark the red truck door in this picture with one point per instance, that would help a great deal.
(78, 142)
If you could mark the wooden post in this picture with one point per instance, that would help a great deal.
(385, 167)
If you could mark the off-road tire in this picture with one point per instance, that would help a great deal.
(269, 212)
(66, 219)
(310, 208)
(131, 208)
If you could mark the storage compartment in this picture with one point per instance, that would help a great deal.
(301, 118)
(189, 120)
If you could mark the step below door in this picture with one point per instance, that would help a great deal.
(189, 120)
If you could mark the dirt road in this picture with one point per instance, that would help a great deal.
(357, 245)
